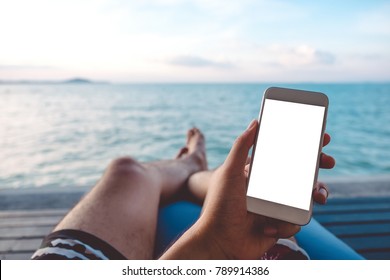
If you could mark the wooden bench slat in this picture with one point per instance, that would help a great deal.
(377, 255)
(23, 222)
(360, 229)
(352, 208)
(33, 213)
(38, 200)
(23, 245)
(358, 200)
(24, 232)
(354, 218)
(363, 244)
(16, 256)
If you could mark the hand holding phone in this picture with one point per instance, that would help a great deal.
(286, 154)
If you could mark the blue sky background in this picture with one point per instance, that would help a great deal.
(196, 41)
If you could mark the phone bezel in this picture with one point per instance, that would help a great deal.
(273, 209)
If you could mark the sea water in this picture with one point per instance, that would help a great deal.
(65, 135)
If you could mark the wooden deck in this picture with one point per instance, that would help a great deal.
(362, 223)
(21, 232)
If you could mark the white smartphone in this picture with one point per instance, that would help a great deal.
(286, 154)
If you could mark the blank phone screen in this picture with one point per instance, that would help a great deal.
(285, 160)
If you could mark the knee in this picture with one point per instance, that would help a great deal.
(126, 168)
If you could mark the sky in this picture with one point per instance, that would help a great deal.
(196, 41)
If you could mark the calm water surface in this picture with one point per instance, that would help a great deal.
(65, 135)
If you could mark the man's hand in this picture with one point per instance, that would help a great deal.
(226, 230)
(235, 232)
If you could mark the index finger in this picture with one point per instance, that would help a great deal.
(236, 159)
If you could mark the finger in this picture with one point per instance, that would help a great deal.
(326, 139)
(326, 161)
(247, 168)
(280, 229)
(237, 157)
(286, 230)
(320, 193)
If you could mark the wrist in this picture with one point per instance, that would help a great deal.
(196, 243)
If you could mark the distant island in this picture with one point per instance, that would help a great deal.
(77, 80)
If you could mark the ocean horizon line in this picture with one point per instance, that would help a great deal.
(87, 81)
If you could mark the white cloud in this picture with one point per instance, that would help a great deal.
(197, 61)
(302, 55)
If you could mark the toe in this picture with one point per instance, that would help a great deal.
(190, 133)
(183, 151)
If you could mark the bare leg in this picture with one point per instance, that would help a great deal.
(122, 208)
(198, 184)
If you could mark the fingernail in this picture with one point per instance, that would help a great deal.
(251, 124)
(270, 231)
(324, 192)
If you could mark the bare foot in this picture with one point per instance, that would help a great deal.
(195, 149)
(192, 156)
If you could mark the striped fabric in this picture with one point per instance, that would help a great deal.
(79, 245)
(285, 249)
(75, 245)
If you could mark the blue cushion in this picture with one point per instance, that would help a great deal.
(321, 244)
(173, 220)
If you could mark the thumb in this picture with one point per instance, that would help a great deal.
(236, 160)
